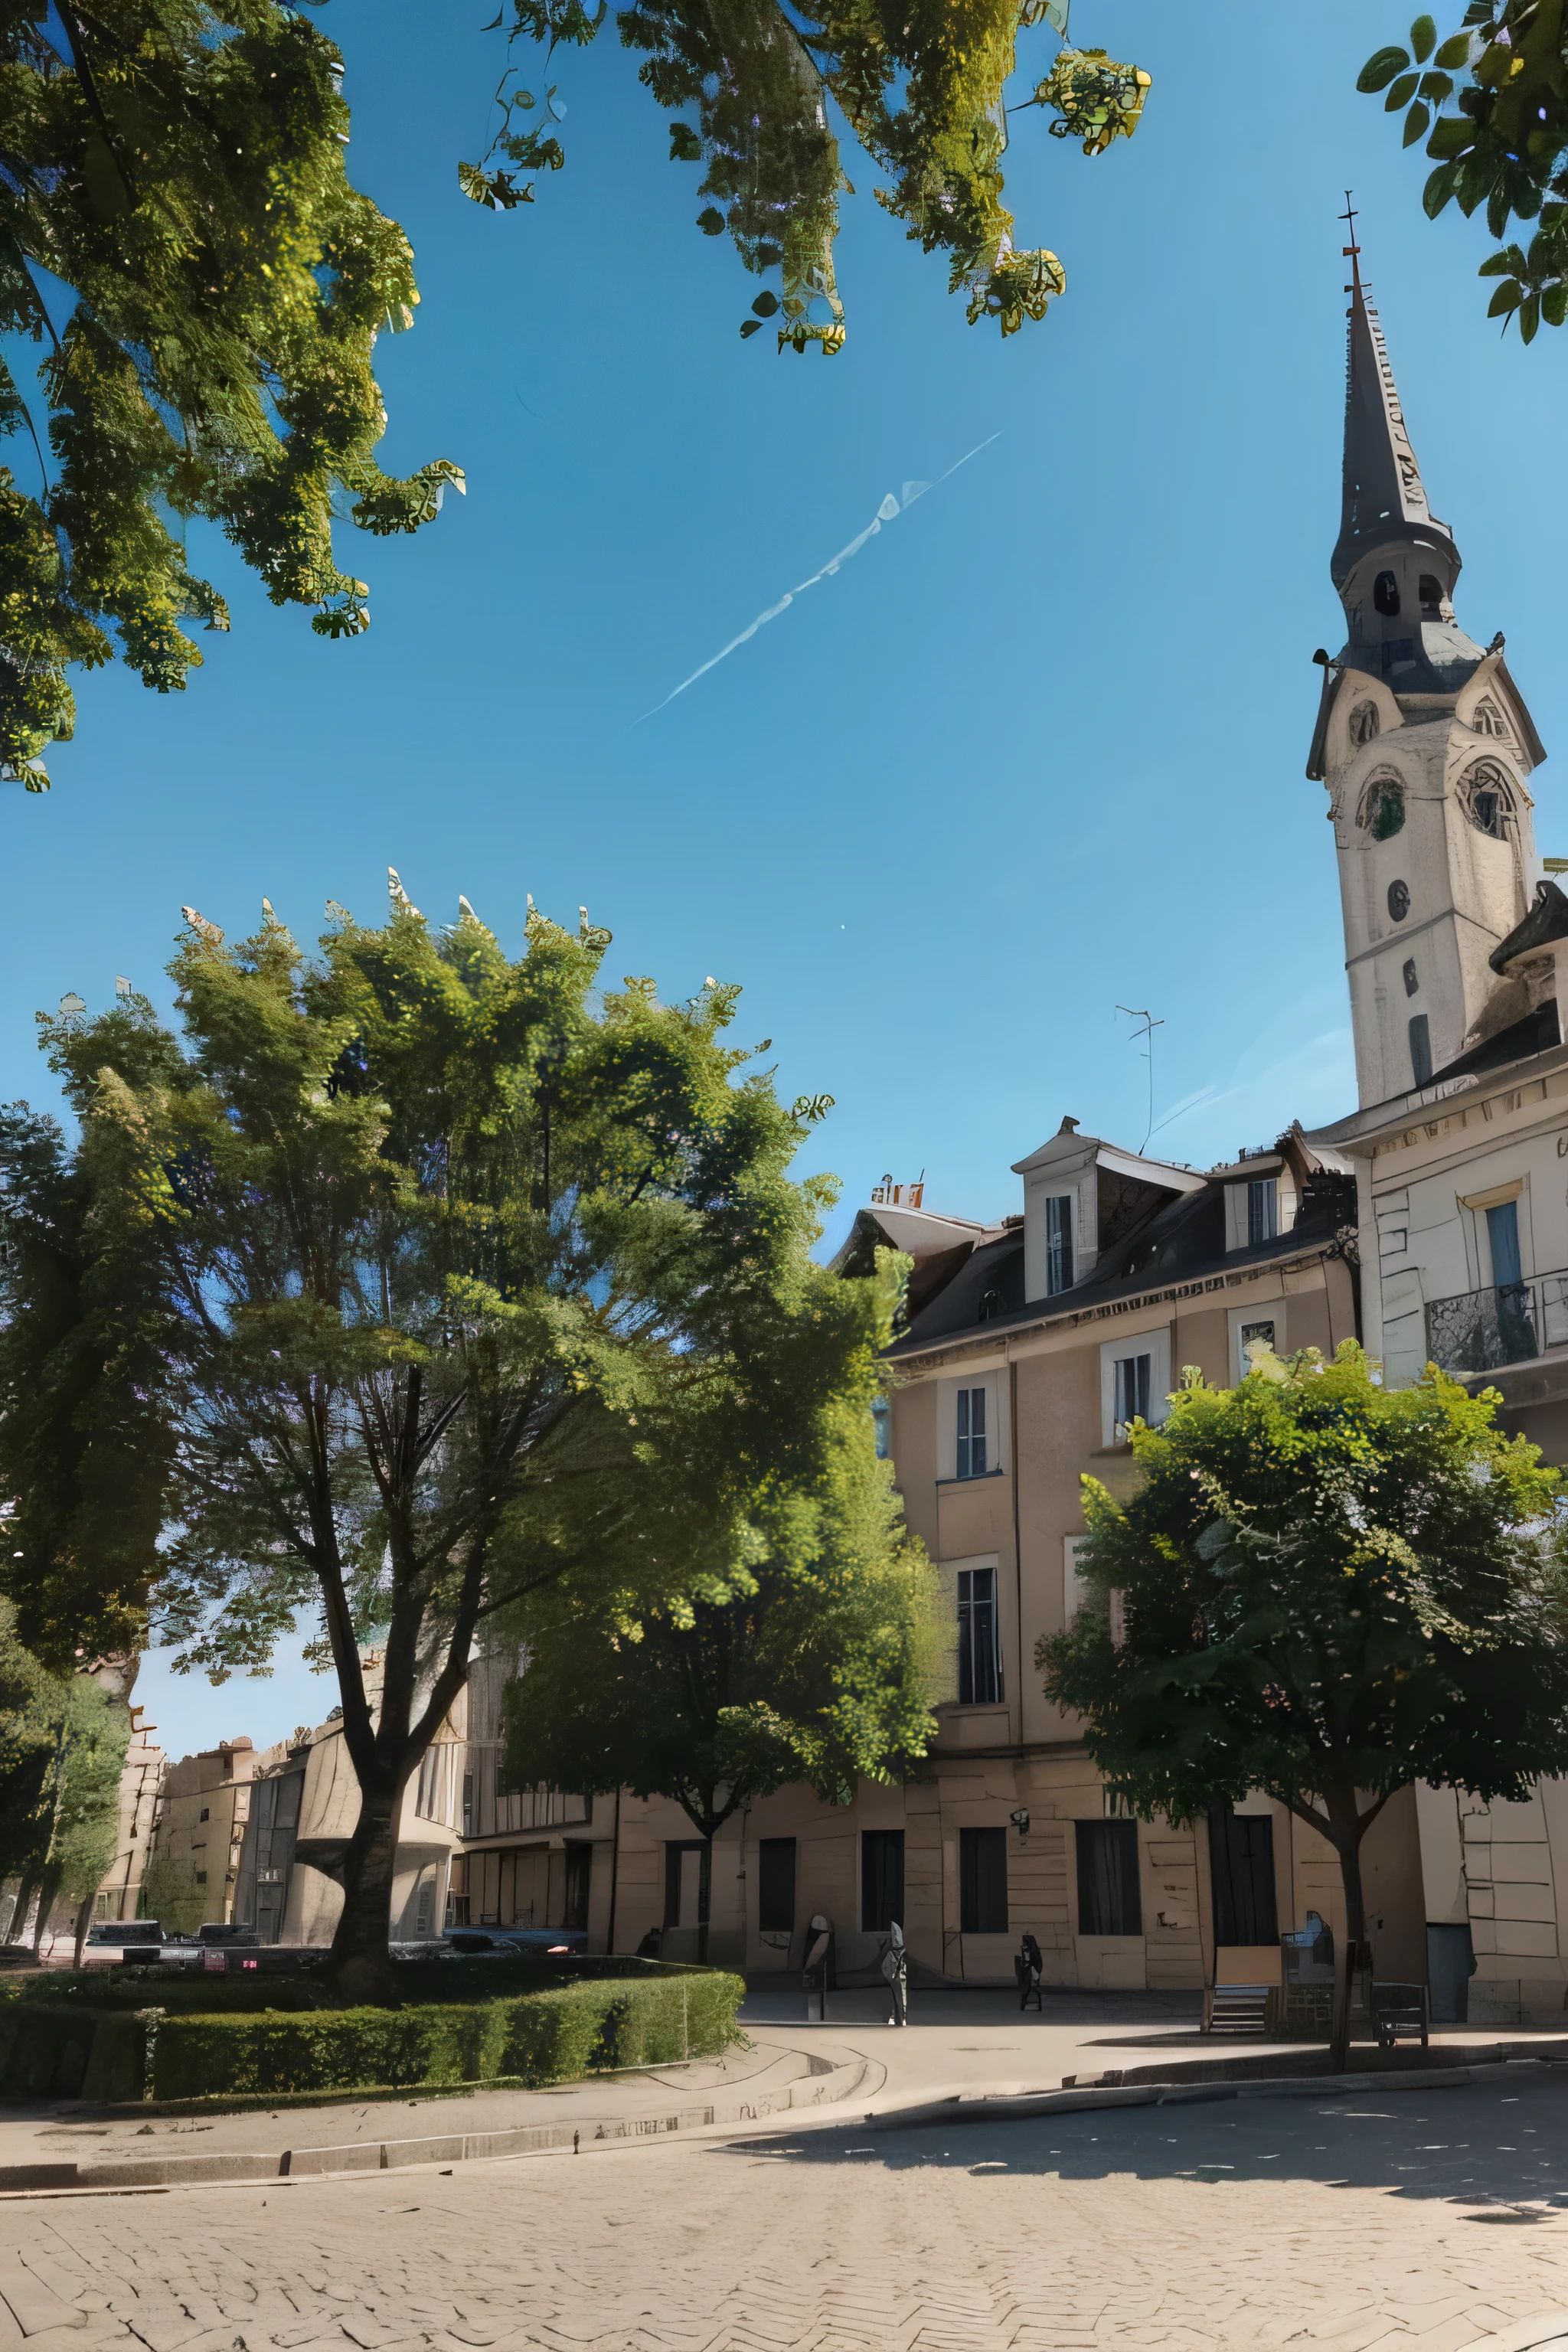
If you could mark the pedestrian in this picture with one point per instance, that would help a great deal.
(896, 1970)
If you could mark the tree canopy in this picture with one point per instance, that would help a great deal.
(921, 84)
(180, 240)
(1491, 100)
(63, 1740)
(1324, 1590)
(409, 1278)
(810, 1661)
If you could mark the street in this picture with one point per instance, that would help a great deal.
(1427, 2217)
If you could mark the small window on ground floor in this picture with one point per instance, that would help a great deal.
(881, 1880)
(983, 1882)
(1109, 1903)
(775, 1886)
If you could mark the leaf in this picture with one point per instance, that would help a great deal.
(765, 305)
(1529, 318)
(1423, 38)
(685, 146)
(1415, 123)
(1554, 304)
(750, 327)
(711, 221)
(1379, 69)
(1437, 86)
(1500, 265)
(1439, 189)
(1455, 51)
(1508, 297)
(1403, 91)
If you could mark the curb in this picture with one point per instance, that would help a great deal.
(1524, 2336)
(130, 2174)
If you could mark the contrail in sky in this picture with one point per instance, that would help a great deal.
(889, 509)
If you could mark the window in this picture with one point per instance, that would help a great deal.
(1107, 1899)
(1411, 981)
(970, 1433)
(775, 1886)
(983, 1882)
(883, 1422)
(1262, 1210)
(1487, 801)
(579, 1878)
(979, 1665)
(881, 1880)
(1420, 1048)
(1241, 1870)
(458, 1892)
(1253, 1334)
(425, 1905)
(1385, 594)
(1502, 1237)
(206, 1811)
(1058, 1245)
(1431, 593)
(468, 1804)
(1399, 900)
(201, 1878)
(1364, 723)
(1487, 719)
(1382, 810)
(688, 1878)
(1133, 1378)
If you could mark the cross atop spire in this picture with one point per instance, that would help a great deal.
(1384, 501)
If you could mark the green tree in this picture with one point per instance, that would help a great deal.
(810, 1661)
(62, 1749)
(179, 239)
(1327, 1590)
(920, 85)
(426, 1278)
(1491, 100)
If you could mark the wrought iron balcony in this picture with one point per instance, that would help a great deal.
(1480, 1330)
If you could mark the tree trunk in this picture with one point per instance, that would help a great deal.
(27, 1888)
(359, 1963)
(83, 1916)
(1349, 1827)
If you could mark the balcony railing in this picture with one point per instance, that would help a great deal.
(1480, 1330)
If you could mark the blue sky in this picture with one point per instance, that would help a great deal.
(1036, 751)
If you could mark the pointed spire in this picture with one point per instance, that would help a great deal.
(1384, 499)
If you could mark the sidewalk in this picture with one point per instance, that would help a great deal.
(959, 2045)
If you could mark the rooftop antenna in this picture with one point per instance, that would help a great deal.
(1150, 1026)
(1351, 252)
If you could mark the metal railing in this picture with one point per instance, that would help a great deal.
(1480, 1330)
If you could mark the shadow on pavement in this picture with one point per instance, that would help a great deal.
(1446, 2145)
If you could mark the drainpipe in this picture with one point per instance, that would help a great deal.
(615, 1872)
(1017, 1547)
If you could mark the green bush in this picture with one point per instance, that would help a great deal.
(71, 2047)
(178, 1989)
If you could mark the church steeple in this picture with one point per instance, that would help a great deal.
(1385, 499)
(1394, 564)
(1425, 744)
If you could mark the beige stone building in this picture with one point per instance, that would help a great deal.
(141, 1790)
(1029, 1347)
(1454, 943)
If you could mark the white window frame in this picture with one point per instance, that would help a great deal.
(1263, 1310)
(1069, 1201)
(967, 1573)
(1238, 1214)
(1156, 1346)
(995, 1389)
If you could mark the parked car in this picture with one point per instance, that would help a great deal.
(496, 1942)
(226, 1931)
(125, 1931)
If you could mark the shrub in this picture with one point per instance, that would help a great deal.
(70, 2046)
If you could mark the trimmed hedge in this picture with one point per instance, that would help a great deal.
(178, 1989)
(555, 2035)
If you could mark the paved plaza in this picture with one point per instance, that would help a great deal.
(1427, 2217)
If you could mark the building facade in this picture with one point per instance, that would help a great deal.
(1455, 935)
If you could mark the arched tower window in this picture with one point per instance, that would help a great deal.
(1487, 799)
(1487, 719)
(1364, 723)
(1382, 810)
(1385, 594)
(1431, 590)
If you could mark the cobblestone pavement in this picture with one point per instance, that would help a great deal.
(1356, 2221)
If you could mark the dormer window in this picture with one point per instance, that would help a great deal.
(1364, 723)
(1431, 598)
(1487, 719)
(1385, 594)
(1059, 1243)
